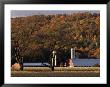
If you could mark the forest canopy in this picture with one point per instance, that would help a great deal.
(39, 35)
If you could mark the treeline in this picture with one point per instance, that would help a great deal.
(38, 35)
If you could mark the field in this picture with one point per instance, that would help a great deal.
(58, 72)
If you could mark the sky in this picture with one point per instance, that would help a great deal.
(24, 13)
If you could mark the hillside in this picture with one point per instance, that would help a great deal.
(38, 35)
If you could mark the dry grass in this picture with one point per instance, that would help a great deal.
(62, 69)
(58, 72)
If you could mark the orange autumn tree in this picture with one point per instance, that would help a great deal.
(38, 35)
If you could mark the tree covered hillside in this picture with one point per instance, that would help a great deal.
(38, 35)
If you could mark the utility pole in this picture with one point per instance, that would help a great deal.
(53, 60)
(71, 60)
(71, 53)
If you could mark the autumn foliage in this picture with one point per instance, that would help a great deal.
(38, 35)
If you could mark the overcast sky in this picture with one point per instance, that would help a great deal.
(23, 13)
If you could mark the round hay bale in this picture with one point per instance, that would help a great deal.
(69, 63)
(16, 66)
